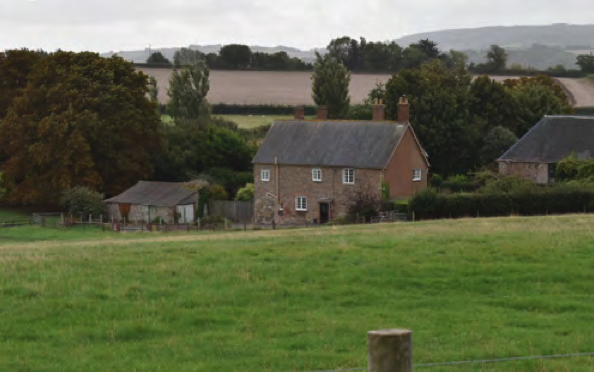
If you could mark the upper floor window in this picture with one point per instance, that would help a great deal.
(417, 174)
(348, 176)
(316, 175)
(265, 176)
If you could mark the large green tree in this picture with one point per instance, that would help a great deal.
(81, 120)
(586, 63)
(497, 58)
(330, 86)
(15, 66)
(440, 114)
(157, 58)
(236, 56)
(492, 104)
(187, 56)
(188, 87)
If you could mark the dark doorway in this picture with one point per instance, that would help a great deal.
(324, 213)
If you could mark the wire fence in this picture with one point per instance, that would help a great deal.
(480, 361)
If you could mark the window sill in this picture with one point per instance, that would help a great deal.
(419, 180)
(300, 210)
(317, 181)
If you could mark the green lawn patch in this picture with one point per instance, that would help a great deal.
(302, 300)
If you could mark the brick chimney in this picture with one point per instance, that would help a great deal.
(379, 110)
(322, 112)
(403, 112)
(299, 113)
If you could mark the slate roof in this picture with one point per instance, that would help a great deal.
(554, 138)
(357, 144)
(159, 194)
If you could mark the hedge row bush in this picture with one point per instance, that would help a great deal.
(428, 204)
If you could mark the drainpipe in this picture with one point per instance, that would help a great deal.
(277, 188)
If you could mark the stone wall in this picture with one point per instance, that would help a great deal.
(140, 213)
(296, 181)
(536, 172)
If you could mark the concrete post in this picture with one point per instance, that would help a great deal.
(390, 350)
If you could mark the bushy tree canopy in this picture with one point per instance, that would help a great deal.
(80, 120)
(330, 86)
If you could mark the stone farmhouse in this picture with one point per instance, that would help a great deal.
(536, 154)
(308, 170)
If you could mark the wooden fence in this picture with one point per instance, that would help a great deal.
(235, 211)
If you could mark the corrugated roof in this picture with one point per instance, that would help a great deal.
(160, 194)
(554, 138)
(358, 144)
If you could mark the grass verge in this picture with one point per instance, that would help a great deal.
(302, 300)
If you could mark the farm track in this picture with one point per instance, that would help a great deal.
(294, 88)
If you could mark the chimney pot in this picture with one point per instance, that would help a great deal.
(379, 111)
(403, 110)
(323, 112)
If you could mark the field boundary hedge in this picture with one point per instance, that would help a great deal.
(428, 204)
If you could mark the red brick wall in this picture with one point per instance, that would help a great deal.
(399, 173)
(297, 181)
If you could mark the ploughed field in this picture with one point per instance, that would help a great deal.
(294, 88)
(298, 300)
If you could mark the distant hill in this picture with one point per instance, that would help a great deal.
(561, 35)
(540, 47)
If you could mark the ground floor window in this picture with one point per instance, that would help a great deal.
(301, 203)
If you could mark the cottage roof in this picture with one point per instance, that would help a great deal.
(554, 138)
(358, 144)
(160, 194)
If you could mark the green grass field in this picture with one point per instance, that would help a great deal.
(245, 121)
(7, 214)
(301, 300)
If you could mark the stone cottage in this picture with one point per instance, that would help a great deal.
(310, 169)
(536, 154)
(148, 201)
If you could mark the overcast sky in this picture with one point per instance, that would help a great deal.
(115, 25)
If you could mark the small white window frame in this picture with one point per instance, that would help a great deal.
(301, 203)
(265, 175)
(316, 172)
(348, 176)
(417, 175)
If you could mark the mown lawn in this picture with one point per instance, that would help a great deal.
(301, 300)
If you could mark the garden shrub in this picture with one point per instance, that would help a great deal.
(83, 201)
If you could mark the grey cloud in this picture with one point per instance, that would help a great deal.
(118, 24)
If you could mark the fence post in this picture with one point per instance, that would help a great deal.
(90, 218)
(390, 350)
(62, 218)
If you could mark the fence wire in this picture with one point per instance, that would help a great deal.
(511, 359)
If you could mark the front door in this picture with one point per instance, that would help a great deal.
(324, 213)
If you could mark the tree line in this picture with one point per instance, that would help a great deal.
(235, 57)
(360, 55)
